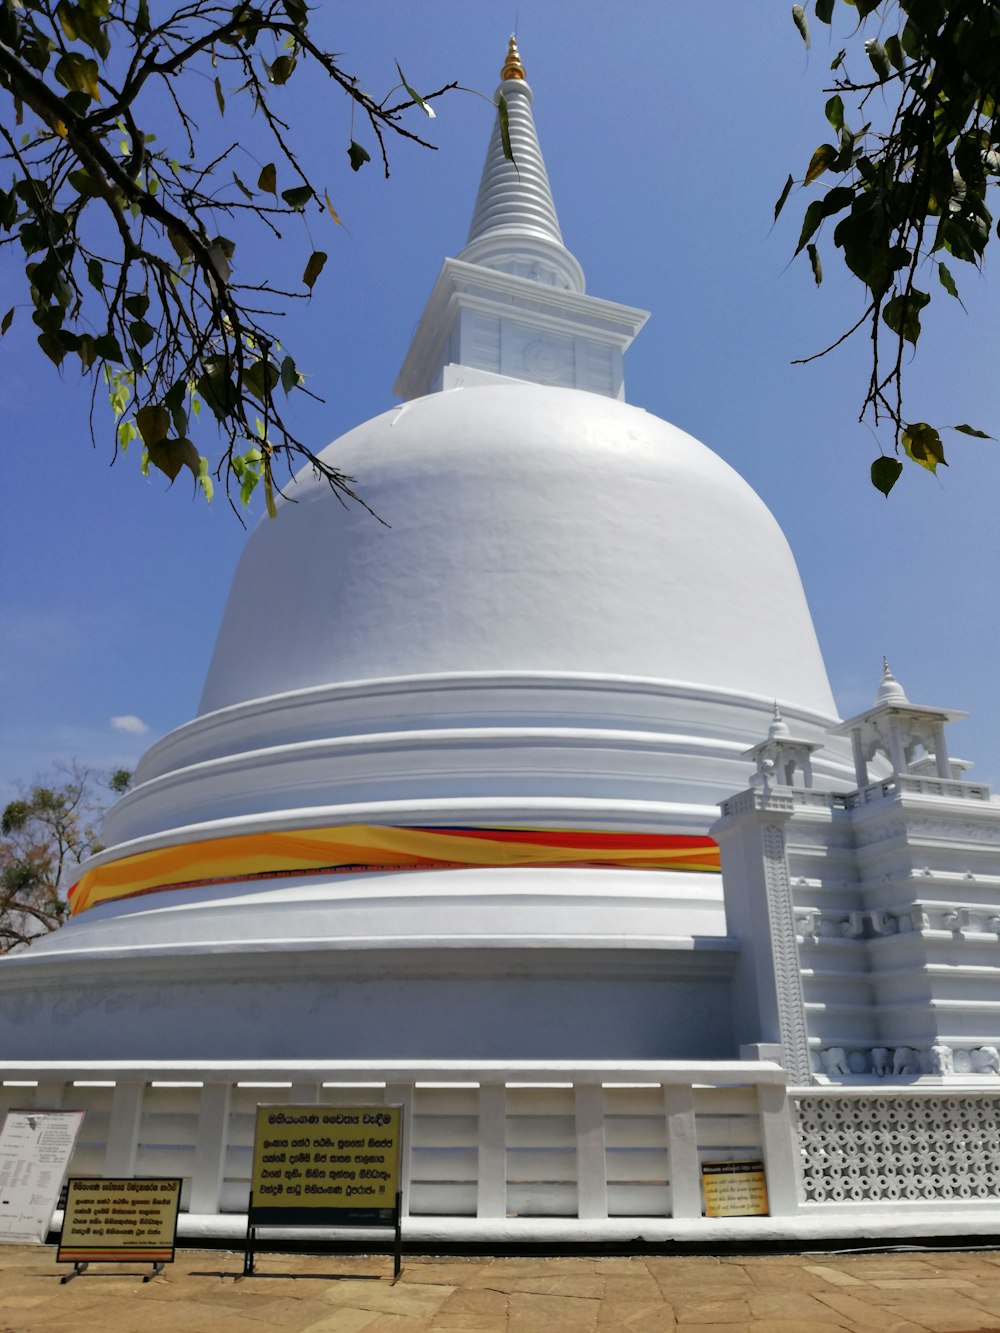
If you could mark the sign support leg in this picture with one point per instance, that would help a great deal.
(249, 1245)
(77, 1270)
(153, 1272)
(397, 1258)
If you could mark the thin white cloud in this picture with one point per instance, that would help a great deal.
(130, 723)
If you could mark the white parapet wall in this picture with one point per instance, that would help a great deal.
(557, 1153)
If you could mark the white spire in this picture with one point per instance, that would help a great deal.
(514, 224)
(513, 305)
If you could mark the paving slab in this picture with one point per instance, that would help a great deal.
(204, 1292)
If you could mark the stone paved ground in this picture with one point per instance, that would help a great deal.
(956, 1292)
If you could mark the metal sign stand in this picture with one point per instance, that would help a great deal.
(80, 1268)
(251, 1243)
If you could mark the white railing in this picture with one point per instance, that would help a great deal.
(590, 1141)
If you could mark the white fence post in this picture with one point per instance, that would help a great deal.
(591, 1158)
(491, 1195)
(401, 1094)
(123, 1129)
(210, 1149)
(682, 1151)
(779, 1149)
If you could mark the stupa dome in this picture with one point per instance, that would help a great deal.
(527, 528)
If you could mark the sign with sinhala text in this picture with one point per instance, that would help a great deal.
(35, 1151)
(734, 1189)
(332, 1165)
(118, 1220)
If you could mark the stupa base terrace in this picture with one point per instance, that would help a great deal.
(509, 1154)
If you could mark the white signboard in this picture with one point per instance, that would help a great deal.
(35, 1150)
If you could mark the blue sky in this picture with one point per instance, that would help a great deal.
(668, 130)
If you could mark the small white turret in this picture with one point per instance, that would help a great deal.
(908, 735)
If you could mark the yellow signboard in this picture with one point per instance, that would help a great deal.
(342, 1161)
(734, 1189)
(117, 1220)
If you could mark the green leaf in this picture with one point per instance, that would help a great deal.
(180, 245)
(783, 196)
(141, 332)
(947, 281)
(838, 59)
(801, 22)
(832, 202)
(923, 444)
(216, 387)
(281, 70)
(204, 479)
(6, 322)
(219, 97)
(142, 19)
(52, 347)
(835, 112)
(358, 155)
(108, 348)
(894, 51)
(824, 10)
(289, 375)
(171, 455)
(85, 184)
(885, 473)
(268, 180)
(95, 274)
(297, 197)
(314, 268)
(971, 430)
(879, 58)
(503, 119)
(902, 314)
(425, 107)
(820, 160)
(137, 305)
(153, 422)
(817, 267)
(262, 377)
(272, 511)
(87, 351)
(78, 74)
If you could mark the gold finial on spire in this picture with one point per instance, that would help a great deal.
(512, 67)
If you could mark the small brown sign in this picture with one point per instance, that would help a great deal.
(734, 1189)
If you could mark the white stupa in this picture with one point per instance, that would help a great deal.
(574, 620)
(447, 826)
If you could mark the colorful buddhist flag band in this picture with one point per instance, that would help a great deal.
(357, 848)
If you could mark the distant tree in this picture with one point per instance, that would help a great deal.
(44, 836)
(128, 268)
(914, 159)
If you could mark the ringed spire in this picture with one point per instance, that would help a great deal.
(515, 228)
